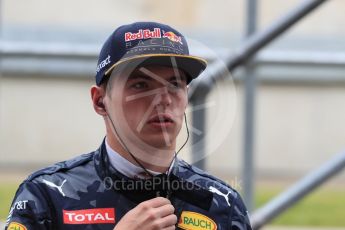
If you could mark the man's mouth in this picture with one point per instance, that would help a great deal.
(161, 120)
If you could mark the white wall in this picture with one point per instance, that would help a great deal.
(44, 120)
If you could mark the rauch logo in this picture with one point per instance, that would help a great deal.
(196, 221)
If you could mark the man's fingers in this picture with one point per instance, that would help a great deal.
(169, 221)
(165, 210)
(156, 202)
(157, 213)
(169, 228)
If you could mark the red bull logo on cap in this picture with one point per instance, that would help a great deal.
(143, 34)
(172, 37)
(155, 33)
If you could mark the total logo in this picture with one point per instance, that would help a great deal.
(155, 33)
(89, 216)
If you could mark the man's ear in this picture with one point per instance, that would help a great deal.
(97, 95)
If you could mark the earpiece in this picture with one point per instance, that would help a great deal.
(100, 103)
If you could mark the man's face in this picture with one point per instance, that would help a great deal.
(148, 104)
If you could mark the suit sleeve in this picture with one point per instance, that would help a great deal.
(30, 209)
(240, 217)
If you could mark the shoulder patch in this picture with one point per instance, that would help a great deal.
(16, 226)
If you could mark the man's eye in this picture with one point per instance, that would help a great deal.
(176, 85)
(140, 85)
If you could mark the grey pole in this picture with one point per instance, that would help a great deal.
(199, 120)
(1, 37)
(298, 191)
(250, 83)
(1, 72)
(247, 51)
(259, 40)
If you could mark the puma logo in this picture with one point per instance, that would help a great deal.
(51, 184)
(226, 196)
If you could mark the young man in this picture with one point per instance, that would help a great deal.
(134, 180)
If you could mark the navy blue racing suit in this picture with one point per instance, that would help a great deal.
(88, 193)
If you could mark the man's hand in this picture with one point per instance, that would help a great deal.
(154, 214)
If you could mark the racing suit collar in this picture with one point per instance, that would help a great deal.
(185, 191)
(123, 165)
(105, 168)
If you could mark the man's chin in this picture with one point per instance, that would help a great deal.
(157, 139)
(161, 141)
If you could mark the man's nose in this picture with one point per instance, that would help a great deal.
(164, 97)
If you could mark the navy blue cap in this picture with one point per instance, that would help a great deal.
(147, 43)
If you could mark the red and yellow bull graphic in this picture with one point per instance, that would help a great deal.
(196, 221)
(173, 37)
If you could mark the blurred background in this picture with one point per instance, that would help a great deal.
(48, 59)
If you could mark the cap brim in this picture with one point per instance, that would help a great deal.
(193, 66)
